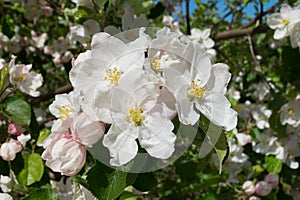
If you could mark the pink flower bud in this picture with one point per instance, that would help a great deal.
(9, 149)
(263, 188)
(249, 187)
(272, 179)
(48, 50)
(47, 11)
(65, 155)
(254, 198)
(15, 129)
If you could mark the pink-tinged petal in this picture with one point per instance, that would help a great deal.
(285, 9)
(219, 78)
(89, 132)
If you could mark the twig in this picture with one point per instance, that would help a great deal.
(187, 15)
(259, 69)
(64, 89)
(260, 15)
(241, 32)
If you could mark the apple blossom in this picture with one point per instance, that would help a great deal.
(249, 187)
(25, 80)
(132, 104)
(261, 115)
(8, 150)
(290, 113)
(24, 139)
(284, 21)
(254, 198)
(202, 37)
(263, 188)
(6, 183)
(6, 196)
(203, 88)
(83, 33)
(65, 155)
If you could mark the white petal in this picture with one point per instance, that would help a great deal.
(121, 144)
(157, 137)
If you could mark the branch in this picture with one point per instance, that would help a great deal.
(64, 89)
(241, 32)
(187, 15)
(260, 15)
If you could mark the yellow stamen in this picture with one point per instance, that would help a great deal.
(291, 111)
(20, 78)
(136, 116)
(285, 21)
(64, 112)
(155, 64)
(113, 76)
(196, 91)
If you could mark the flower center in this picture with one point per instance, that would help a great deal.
(155, 64)
(195, 90)
(64, 112)
(20, 78)
(291, 111)
(113, 75)
(136, 116)
(285, 21)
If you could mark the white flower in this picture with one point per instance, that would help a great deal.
(242, 138)
(204, 88)
(202, 37)
(268, 145)
(249, 187)
(65, 105)
(291, 151)
(38, 41)
(109, 60)
(9, 149)
(236, 152)
(290, 113)
(168, 20)
(65, 155)
(5, 196)
(83, 33)
(24, 139)
(259, 91)
(132, 104)
(25, 80)
(284, 21)
(6, 183)
(261, 116)
(295, 36)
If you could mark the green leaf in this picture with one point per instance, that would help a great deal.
(33, 170)
(273, 164)
(216, 137)
(105, 182)
(43, 134)
(45, 192)
(2, 77)
(18, 110)
(8, 26)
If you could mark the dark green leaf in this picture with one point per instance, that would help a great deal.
(18, 110)
(44, 193)
(105, 182)
(8, 26)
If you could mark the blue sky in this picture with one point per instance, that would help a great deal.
(250, 10)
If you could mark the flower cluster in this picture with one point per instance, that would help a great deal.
(286, 23)
(137, 88)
